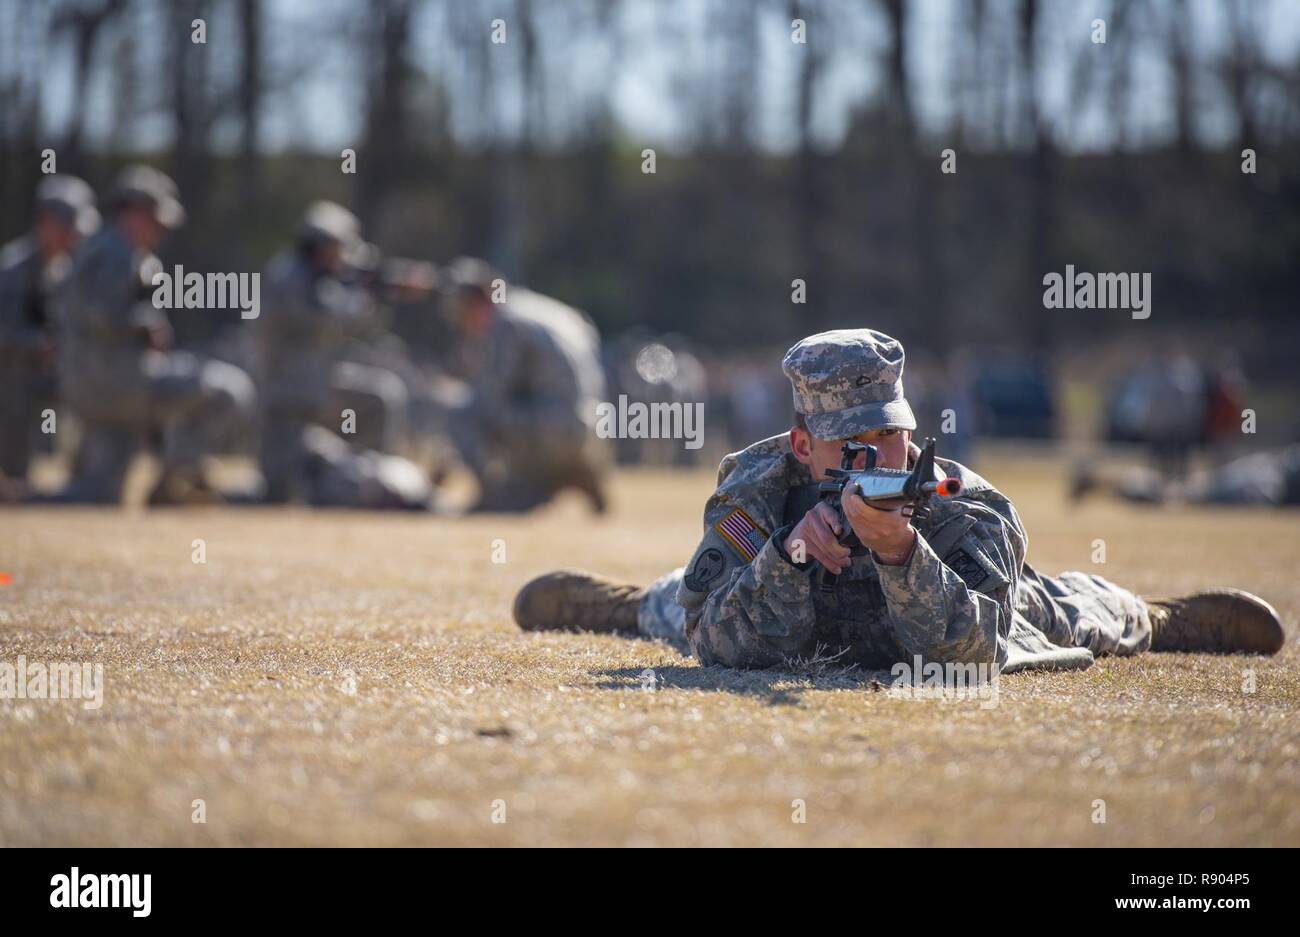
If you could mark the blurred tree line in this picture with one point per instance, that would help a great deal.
(817, 160)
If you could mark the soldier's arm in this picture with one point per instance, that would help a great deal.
(743, 612)
(951, 599)
(494, 384)
(328, 303)
(302, 314)
(11, 311)
(18, 273)
(111, 299)
(354, 308)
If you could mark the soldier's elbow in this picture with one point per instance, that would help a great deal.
(713, 650)
(948, 648)
(974, 650)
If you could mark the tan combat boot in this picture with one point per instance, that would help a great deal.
(11, 489)
(1218, 621)
(571, 600)
(183, 488)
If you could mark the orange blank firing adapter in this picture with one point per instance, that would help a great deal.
(948, 487)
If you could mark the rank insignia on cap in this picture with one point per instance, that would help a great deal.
(739, 530)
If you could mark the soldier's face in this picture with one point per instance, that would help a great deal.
(475, 315)
(329, 257)
(142, 229)
(53, 237)
(822, 454)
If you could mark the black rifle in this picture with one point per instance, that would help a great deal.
(884, 488)
(393, 278)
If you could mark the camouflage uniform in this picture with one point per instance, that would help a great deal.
(964, 595)
(25, 330)
(527, 430)
(123, 392)
(1271, 478)
(307, 320)
(28, 334)
(334, 475)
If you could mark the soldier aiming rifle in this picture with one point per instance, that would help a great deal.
(949, 585)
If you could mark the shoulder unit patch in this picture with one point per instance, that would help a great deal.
(708, 567)
(967, 567)
(974, 567)
(740, 531)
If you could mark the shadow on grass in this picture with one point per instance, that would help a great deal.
(779, 687)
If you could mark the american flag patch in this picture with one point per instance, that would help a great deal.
(739, 530)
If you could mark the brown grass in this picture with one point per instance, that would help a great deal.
(228, 682)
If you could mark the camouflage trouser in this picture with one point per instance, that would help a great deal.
(546, 451)
(186, 399)
(1071, 610)
(376, 397)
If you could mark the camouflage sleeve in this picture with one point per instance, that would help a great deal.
(740, 612)
(11, 311)
(353, 308)
(145, 317)
(17, 334)
(112, 298)
(297, 316)
(494, 385)
(324, 306)
(952, 599)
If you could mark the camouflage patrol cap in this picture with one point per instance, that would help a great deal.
(848, 381)
(326, 222)
(70, 200)
(469, 275)
(144, 185)
(330, 221)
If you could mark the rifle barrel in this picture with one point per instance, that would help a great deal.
(944, 488)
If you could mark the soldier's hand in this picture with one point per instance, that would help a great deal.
(45, 354)
(161, 337)
(884, 530)
(818, 532)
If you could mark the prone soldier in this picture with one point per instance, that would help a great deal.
(1266, 478)
(950, 587)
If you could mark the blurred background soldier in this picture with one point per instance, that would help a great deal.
(31, 269)
(320, 295)
(653, 370)
(1268, 478)
(117, 370)
(336, 476)
(1163, 405)
(527, 431)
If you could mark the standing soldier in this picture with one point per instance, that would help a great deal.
(315, 305)
(117, 370)
(527, 431)
(31, 269)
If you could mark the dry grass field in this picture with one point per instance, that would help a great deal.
(349, 679)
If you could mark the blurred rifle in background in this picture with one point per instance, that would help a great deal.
(393, 279)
